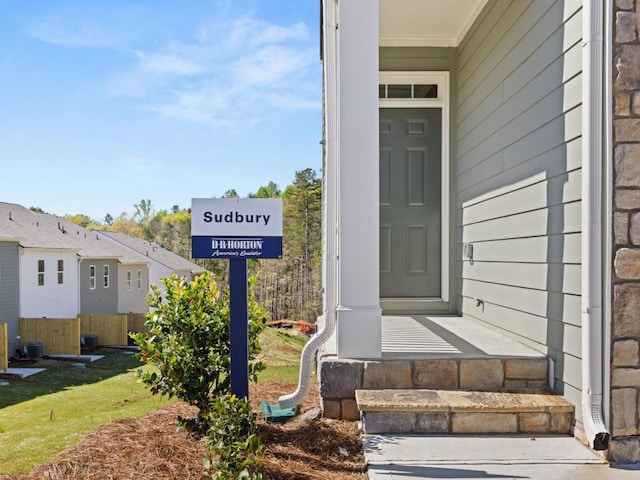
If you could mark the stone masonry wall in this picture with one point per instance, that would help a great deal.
(625, 359)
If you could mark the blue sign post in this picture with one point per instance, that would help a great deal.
(237, 229)
(239, 328)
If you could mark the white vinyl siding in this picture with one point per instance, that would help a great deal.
(52, 299)
(518, 176)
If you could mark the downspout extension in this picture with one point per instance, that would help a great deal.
(592, 256)
(330, 268)
(294, 399)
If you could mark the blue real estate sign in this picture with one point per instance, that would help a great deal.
(234, 228)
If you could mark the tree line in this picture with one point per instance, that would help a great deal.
(289, 288)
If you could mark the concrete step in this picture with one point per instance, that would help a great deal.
(462, 411)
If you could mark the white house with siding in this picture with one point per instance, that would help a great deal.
(469, 180)
(66, 270)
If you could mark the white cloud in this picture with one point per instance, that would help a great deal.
(249, 31)
(82, 36)
(243, 73)
(167, 64)
(272, 65)
(203, 106)
(224, 72)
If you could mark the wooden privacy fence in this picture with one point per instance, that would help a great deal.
(136, 323)
(60, 336)
(4, 348)
(110, 329)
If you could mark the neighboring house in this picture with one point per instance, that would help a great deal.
(469, 171)
(133, 281)
(10, 289)
(66, 270)
(162, 262)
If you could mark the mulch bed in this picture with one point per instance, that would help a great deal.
(152, 447)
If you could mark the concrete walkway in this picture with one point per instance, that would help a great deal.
(21, 372)
(412, 457)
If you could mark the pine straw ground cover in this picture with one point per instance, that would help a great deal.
(152, 447)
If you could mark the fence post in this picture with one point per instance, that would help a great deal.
(4, 347)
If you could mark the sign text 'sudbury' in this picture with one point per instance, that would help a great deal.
(236, 217)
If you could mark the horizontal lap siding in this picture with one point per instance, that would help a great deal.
(53, 299)
(134, 299)
(100, 300)
(10, 292)
(518, 177)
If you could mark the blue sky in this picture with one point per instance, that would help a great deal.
(106, 102)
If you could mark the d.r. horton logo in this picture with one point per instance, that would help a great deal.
(236, 247)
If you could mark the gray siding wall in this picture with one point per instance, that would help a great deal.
(135, 299)
(408, 59)
(10, 291)
(518, 177)
(100, 300)
(416, 59)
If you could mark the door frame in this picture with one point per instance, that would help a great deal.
(442, 101)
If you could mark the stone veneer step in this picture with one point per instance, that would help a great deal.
(458, 411)
(340, 378)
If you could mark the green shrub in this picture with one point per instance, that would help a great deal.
(234, 448)
(189, 343)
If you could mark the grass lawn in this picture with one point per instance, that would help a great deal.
(44, 414)
(50, 411)
(281, 353)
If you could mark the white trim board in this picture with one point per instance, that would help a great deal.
(441, 79)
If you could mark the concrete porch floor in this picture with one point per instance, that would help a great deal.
(418, 337)
(422, 336)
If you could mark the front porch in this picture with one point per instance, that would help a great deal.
(444, 374)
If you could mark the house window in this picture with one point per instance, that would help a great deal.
(60, 272)
(139, 279)
(40, 273)
(129, 280)
(407, 91)
(105, 275)
(92, 277)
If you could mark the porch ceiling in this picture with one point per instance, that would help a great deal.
(422, 23)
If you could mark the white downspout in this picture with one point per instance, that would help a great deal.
(608, 200)
(330, 190)
(592, 257)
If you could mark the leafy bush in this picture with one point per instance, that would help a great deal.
(189, 343)
(234, 447)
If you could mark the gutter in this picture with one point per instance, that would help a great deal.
(330, 57)
(593, 153)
